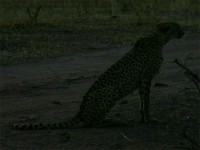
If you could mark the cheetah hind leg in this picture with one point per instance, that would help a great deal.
(107, 98)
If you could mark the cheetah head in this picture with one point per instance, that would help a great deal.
(170, 30)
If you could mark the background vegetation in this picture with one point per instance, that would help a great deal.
(28, 33)
(60, 11)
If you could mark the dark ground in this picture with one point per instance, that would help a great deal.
(52, 90)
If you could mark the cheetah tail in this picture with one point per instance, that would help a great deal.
(52, 126)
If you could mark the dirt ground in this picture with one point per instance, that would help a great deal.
(52, 90)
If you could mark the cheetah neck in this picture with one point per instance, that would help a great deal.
(160, 38)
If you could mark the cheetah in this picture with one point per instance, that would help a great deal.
(134, 71)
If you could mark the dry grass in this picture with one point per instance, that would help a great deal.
(120, 18)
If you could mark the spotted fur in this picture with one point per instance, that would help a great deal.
(133, 71)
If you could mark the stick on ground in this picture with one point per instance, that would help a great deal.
(192, 76)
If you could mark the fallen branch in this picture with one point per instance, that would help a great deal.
(185, 135)
(187, 58)
(195, 82)
(192, 76)
(126, 137)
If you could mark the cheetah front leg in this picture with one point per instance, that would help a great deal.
(144, 91)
